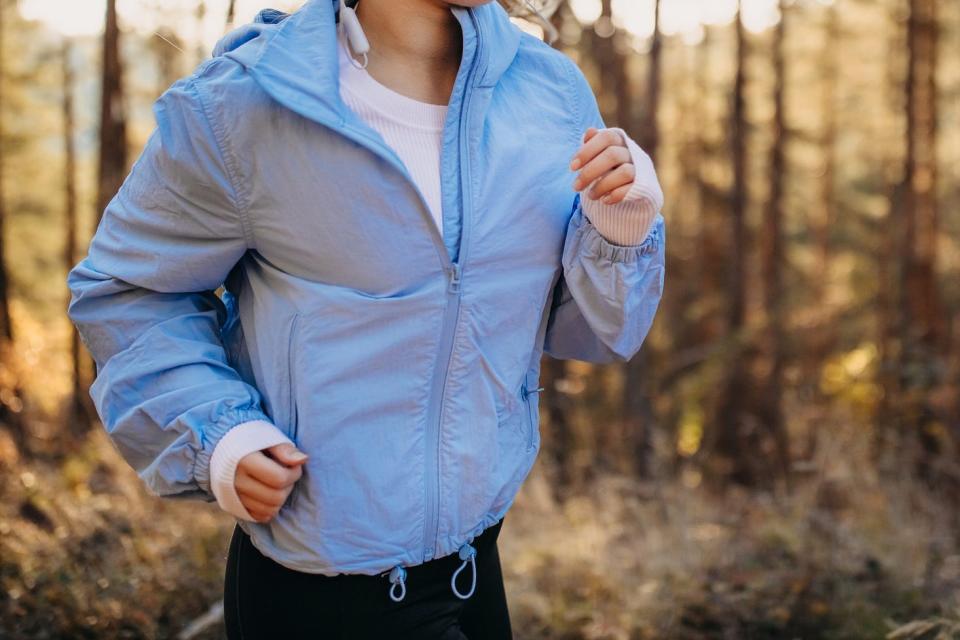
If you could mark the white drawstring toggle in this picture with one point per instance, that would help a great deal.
(467, 554)
(398, 575)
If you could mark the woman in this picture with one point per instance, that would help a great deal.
(389, 209)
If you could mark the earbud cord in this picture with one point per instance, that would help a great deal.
(346, 37)
(353, 60)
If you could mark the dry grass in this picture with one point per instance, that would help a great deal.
(834, 560)
(86, 553)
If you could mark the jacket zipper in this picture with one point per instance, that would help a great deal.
(450, 319)
(453, 271)
(431, 532)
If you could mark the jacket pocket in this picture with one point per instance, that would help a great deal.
(233, 339)
(291, 426)
(292, 413)
(531, 394)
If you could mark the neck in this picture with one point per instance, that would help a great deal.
(415, 46)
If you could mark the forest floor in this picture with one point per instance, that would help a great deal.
(86, 552)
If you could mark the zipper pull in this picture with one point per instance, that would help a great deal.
(454, 278)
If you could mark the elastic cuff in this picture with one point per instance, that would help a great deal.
(625, 224)
(593, 242)
(212, 435)
(240, 441)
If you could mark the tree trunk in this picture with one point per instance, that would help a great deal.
(771, 415)
(113, 121)
(231, 13)
(11, 401)
(6, 326)
(732, 429)
(70, 194)
(613, 68)
(80, 411)
(611, 441)
(828, 148)
(650, 131)
(923, 329)
(554, 403)
(688, 332)
(712, 224)
(640, 374)
(889, 259)
(824, 339)
(736, 313)
(112, 162)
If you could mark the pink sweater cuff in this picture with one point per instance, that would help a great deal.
(628, 222)
(241, 440)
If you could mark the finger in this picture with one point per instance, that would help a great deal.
(252, 487)
(261, 516)
(609, 159)
(256, 506)
(617, 195)
(269, 471)
(287, 454)
(594, 145)
(614, 179)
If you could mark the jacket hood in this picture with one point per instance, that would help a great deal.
(293, 57)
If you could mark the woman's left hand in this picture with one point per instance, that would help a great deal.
(604, 155)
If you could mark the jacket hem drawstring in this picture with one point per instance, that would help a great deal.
(398, 577)
(467, 554)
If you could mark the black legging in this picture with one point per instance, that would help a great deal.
(264, 599)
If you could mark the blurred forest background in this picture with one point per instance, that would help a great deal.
(780, 461)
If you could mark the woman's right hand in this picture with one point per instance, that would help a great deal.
(265, 478)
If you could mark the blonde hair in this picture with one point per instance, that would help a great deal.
(530, 8)
(536, 11)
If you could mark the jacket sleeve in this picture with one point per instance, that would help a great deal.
(606, 299)
(143, 300)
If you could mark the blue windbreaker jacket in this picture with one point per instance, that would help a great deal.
(405, 363)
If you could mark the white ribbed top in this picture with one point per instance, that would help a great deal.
(414, 129)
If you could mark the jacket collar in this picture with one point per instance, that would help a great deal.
(297, 65)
